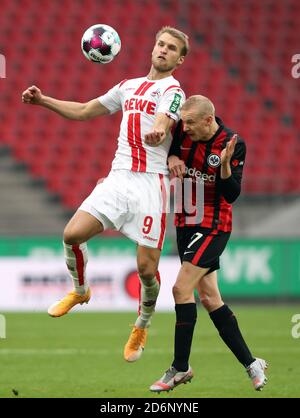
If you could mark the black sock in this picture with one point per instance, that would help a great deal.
(186, 317)
(228, 328)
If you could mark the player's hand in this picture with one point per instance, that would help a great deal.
(176, 167)
(32, 95)
(155, 138)
(228, 151)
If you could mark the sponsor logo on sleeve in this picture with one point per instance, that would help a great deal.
(176, 103)
(235, 163)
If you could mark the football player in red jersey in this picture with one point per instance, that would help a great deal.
(205, 151)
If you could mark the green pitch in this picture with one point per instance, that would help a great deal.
(80, 355)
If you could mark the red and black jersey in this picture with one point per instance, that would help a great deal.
(203, 163)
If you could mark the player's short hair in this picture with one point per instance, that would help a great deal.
(202, 104)
(176, 34)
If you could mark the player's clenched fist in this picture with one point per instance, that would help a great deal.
(32, 95)
(156, 137)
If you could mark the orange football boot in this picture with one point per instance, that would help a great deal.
(63, 306)
(135, 344)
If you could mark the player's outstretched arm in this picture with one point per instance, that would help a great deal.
(161, 128)
(70, 110)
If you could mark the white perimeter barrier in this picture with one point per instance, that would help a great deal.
(30, 284)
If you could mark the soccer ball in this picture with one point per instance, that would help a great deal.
(100, 43)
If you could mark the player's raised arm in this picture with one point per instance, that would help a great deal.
(232, 163)
(161, 128)
(226, 156)
(70, 110)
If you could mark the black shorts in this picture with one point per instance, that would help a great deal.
(200, 247)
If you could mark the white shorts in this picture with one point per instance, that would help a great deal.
(133, 203)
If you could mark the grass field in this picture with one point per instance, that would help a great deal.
(80, 355)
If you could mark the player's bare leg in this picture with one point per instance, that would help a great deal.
(209, 293)
(78, 231)
(147, 261)
(227, 325)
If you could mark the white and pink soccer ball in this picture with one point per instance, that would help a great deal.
(100, 43)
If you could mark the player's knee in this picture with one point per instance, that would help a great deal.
(205, 301)
(146, 269)
(72, 237)
(210, 303)
(178, 293)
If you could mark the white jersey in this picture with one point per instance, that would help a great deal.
(141, 99)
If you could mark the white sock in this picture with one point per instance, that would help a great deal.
(149, 294)
(76, 257)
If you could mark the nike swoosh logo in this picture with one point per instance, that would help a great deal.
(182, 379)
(188, 252)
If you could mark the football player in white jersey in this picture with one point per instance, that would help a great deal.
(133, 198)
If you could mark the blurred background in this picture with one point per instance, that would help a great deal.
(241, 58)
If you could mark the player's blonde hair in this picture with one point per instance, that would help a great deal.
(201, 104)
(176, 34)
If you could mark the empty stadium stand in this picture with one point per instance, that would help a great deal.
(240, 58)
